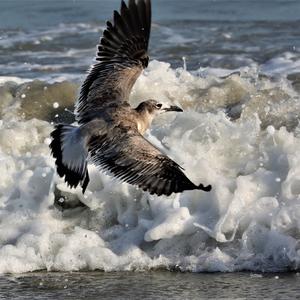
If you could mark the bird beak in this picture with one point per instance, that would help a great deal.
(173, 108)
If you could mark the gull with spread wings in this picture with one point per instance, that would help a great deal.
(110, 132)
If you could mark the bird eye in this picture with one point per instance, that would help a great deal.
(158, 105)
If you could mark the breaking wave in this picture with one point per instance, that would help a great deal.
(239, 132)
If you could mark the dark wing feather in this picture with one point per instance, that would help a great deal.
(121, 57)
(131, 158)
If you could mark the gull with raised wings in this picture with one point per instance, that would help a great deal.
(110, 132)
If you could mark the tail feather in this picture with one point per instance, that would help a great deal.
(68, 149)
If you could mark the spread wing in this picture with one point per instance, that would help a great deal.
(131, 158)
(121, 57)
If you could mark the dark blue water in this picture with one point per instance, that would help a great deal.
(42, 39)
(151, 285)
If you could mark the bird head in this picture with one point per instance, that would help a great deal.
(153, 107)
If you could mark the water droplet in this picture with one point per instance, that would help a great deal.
(61, 200)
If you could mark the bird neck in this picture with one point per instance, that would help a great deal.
(144, 120)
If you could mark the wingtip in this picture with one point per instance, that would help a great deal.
(85, 182)
(123, 5)
(204, 188)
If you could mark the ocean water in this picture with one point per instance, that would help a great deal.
(234, 67)
(149, 285)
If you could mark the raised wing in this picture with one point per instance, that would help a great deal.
(121, 57)
(131, 158)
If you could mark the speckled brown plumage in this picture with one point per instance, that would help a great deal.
(110, 130)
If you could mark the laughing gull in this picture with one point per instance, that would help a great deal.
(110, 132)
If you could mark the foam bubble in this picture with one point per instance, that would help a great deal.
(55, 105)
(249, 221)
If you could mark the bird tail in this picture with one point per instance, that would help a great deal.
(68, 148)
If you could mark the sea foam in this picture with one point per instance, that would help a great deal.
(238, 133)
